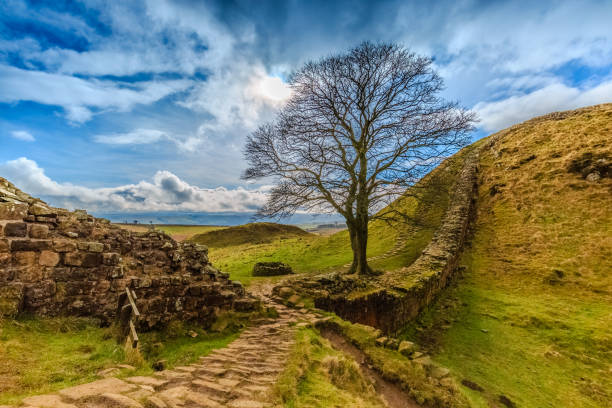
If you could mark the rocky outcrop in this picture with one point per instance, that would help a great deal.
(390, 301)
(58, 262)
(271, 269)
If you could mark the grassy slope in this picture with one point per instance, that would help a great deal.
(71, 351)
(254, 233)
(532, 317)
(309, 253)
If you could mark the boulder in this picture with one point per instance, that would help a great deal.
(406, 348)
(271, 269)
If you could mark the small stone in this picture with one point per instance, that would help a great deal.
(484, 330)
(96, 247)
(160, 365)
(108, 372)
(116, 401)
(424, 361)
(382, 341)
(440, 372)
(406, 348)
(154, 402)
(593, 177)
(285, 292)
(293, 300)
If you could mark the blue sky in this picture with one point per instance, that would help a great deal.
(145, 105)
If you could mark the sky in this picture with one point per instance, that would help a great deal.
(146, 105)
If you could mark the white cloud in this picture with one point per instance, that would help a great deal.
(554, 97)
(150, 136)
(22, 135)
(165, 192)
(76, 95)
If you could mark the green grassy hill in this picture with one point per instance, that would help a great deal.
(254, 233)
(532, 317)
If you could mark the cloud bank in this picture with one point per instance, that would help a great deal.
(165, 192)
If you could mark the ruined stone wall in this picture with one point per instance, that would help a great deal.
(397, 297)
(57, 262)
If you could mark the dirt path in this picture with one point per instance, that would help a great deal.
(392, 394)
(238, 376)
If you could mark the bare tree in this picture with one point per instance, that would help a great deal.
(358, 129)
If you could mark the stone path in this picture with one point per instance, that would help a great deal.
(238, 376)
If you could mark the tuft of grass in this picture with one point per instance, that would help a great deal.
(316, 375)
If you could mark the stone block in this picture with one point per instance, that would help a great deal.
(16, 229)
(95, 388)
(1, 230)
(111, 258)
(11, 299)
(40, 209)
(73, 258)
(49, 258)
(4, 245)
(5, 259)
(29, 245)
(13, 211)
(91, 259)
(64, 245)
(39, 231)
(96, 247)
(24, 258)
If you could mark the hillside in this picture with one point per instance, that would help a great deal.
(254, 233)
(531, 317)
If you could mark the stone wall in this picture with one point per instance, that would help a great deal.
(392, 300)
(57, 262)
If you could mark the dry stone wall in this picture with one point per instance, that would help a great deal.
(390, 301)
(57, 262)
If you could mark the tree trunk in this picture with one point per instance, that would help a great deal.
(353, 236)
(361, 246)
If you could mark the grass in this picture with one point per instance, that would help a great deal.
(531, 318)
(71, 351)
(318, 376)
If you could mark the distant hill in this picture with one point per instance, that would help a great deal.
(254, 233)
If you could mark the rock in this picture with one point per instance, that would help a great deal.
(154, 402)
(46, 401)
(95, 388)
(271, 269)
(593, 177)
(472, 385)
(16, 229)
(39, 209)
(108, 372)
(484, 330)
(112, 400)
(11, 299)
(285, 292)
(153, 382)
(48, 258)
(407, 347)
(39, 231)
(13, 211)
(416, 354)
(424, 360)
(440, 372)
(160, 365)
(293, 300)
(382, 341)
